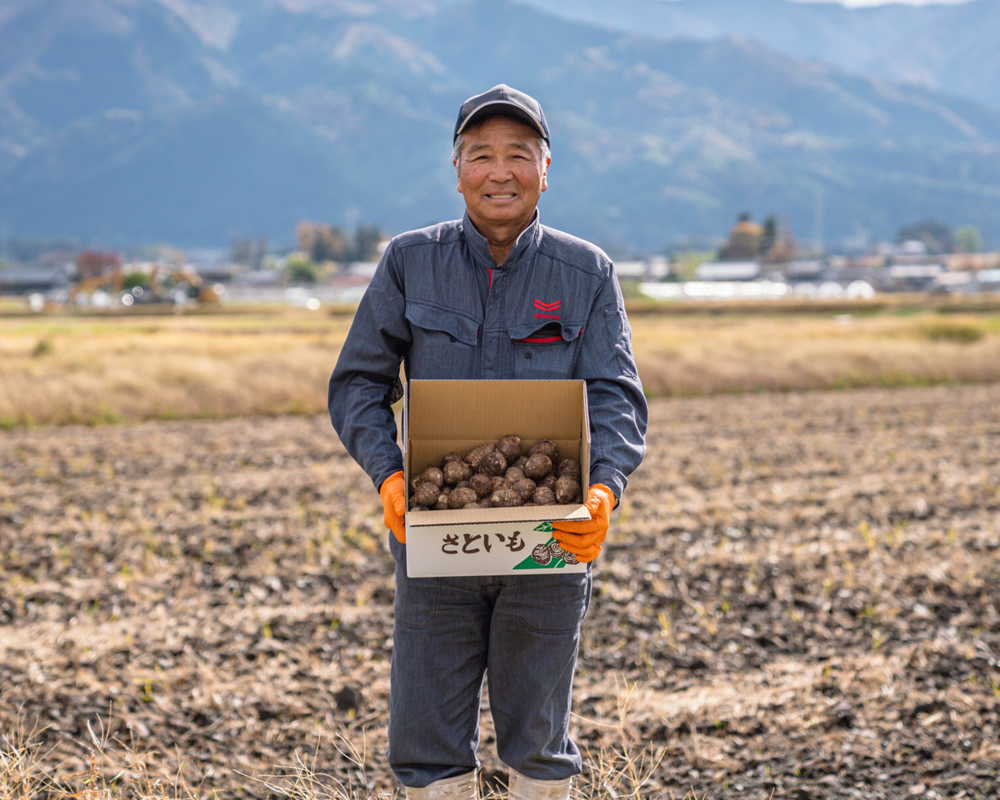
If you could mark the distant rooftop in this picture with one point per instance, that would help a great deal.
(727, 271)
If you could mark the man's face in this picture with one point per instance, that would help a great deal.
(502, 174)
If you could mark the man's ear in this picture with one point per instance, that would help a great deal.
(545, 175)
(458, 176)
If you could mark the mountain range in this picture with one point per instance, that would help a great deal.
(948, 48)
(200, 121)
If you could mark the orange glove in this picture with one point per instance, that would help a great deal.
(584, 537)
(393, 494)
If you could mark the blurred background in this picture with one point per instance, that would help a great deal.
(262, 144)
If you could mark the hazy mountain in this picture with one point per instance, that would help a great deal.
(197, 121)
(950, 48)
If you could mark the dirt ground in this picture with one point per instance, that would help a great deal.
(800, 598)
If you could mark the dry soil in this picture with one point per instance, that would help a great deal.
(800, 598)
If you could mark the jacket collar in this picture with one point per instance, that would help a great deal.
(524, 248)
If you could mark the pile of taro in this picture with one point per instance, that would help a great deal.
(499, 475)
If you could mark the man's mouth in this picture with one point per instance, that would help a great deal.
(506, 196)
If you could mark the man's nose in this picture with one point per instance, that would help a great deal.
(501, 170)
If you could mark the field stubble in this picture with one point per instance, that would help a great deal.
(100, 369)
(798, 599)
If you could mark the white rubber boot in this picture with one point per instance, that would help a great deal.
(461, 787)
(524, 788)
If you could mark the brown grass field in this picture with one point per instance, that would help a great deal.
(99, 368)
(798, 599)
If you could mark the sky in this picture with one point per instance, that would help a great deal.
(859, 3)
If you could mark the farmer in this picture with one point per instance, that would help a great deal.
(460, 300)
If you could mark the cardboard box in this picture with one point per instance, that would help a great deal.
(441, 417)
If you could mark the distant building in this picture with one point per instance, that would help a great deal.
(361, 269)
(261, 277)
(728, 271)
(223, 272)
(955, 282)
(914, 277)
(27, 281)
(909, 249)
(650, 269)
(803, 270)
(989, 280)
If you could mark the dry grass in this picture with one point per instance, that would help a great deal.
(116, 770)
(113, 770)
(99, 369)
(699, 355)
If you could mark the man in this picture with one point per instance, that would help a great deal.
(458, 301)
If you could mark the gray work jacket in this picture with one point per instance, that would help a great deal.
(439, 302)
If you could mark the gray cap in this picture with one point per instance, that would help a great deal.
(502, 100)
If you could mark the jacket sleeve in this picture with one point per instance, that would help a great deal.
(617, 405)
(364, 381)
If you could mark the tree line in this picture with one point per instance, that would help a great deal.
(321, 248)
(773, 242)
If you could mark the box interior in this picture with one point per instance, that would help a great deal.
(441, 417)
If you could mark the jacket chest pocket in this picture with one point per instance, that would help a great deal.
(545, 352)
(444, 342)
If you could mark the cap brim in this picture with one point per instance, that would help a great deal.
(501, 108)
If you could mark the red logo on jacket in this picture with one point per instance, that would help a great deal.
(547, 310)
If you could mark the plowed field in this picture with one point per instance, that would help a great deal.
(800, 598)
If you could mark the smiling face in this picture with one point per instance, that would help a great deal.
(501, 174)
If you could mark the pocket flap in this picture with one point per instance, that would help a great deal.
(541, 333)
(433, 318)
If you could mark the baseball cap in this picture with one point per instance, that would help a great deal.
(502, 99)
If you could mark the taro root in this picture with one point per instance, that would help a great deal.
(426, 493)
(569, 468)
(499, 474)
(567, 490)
(505, 498)
(524, 487)
(514, 474)
(456, 470)
(431, 475)
(476, 455)
(543, 496)
(541, 554)
(545, 447)
(481, 484)
(460, 498)
(537, 466)
(510, 446)
(493, 463)
(475, 506)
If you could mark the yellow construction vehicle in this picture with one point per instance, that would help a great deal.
(169, 282)
(161, 283)
(110, 281)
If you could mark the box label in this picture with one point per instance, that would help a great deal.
(487, 549)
